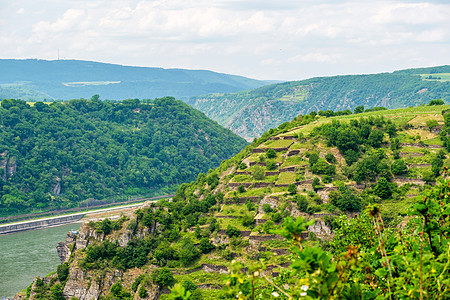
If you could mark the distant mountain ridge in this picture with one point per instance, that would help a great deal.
(250, 113)
(33, 79)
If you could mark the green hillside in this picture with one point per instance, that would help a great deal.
(75, 153)
(253, 112)
(320, 208)
(41, 80)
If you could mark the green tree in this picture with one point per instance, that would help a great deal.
(205, 245)
(163, 277)
(436, 102)
(62, 271)
(431, 124)
(292, 189)
(383, 189)
(143, 292)
(270, 153)
(399, 167)
(359, 109)
(258, 173)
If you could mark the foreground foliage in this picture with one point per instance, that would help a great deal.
(368, 261)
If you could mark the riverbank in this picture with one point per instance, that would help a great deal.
(67, 219)
(55, 213)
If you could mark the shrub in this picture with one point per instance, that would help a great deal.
(271, 165)
(188, 253)
(241, 189)
(62, 271)
(258, 173)
(330, 158)
(248, 221)
(436, 102)
(205, 245)
(163, 277)
(292, 189)
(302, 203)
(276, 217)
(399, 167)
(143, 292)
(270, 153)
(267, 208)
(383, 190)
(232, 231)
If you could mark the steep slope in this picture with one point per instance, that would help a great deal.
(251, 113)
(71, 79)
(58, 155)
(222, 234)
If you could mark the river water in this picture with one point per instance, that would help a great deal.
(25, 255)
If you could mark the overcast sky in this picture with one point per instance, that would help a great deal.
(277, 39)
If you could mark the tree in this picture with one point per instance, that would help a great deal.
(205, 245)
(241, 189)
(382, 189)
(359, 109)
(62, 271)
(302, 203)
(436, 165)
(399, 167)
(330, 158)
(292, 189)
(232, 231)
(316, 183)
(270, 153)
(163, 277)
(375, 138)
(271, 165)
(258, 173)
(431, 124)
(436, 102)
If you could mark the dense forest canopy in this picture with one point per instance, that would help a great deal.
(59, 154)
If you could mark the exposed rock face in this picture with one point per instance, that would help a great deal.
(267, 200)
(64, 248)
(83, 287)
(321, 230)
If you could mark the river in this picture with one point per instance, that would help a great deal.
(25, 255)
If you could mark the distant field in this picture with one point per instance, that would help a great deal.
(436, 77)
(85, 83)
(297, 96)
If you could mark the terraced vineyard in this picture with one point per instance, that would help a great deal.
(230, 218)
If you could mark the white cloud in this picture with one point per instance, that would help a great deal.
(256, 38)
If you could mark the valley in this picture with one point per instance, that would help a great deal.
(238, 228)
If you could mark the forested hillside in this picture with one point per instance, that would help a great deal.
(251, 113)
(347, 207)
(33, 80)
(60, 154)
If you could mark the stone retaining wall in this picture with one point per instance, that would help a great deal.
(236, 184)
(262, 184)
(38, 224)
(293, 152)
(270, 173)
(291, 169)
(243, 173)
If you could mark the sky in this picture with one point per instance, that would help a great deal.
(270, 40)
